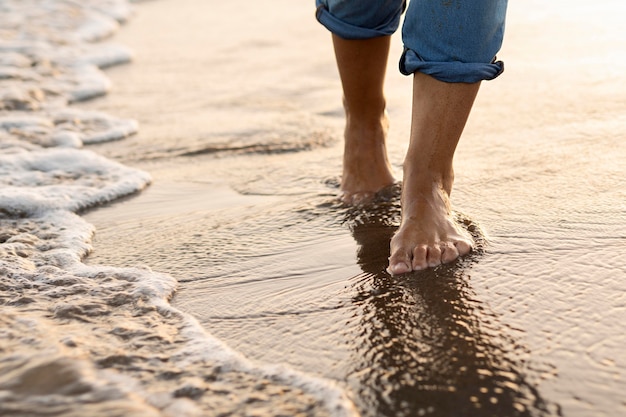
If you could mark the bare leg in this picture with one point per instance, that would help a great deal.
(362, 65)
(428, 235)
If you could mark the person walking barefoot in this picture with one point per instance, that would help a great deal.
(450, 48)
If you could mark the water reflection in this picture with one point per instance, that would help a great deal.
(424, 345)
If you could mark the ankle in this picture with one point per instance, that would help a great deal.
(419, 176)
(365, 111)
(365, 130)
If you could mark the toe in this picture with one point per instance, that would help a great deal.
(434, 255)
(399, 263)
(449, 252)
(463, 247)
(398, 268)
(420, 260)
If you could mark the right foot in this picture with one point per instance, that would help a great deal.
(428, 235)
(366, 169)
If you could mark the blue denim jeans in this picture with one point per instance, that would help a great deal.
(451, 40)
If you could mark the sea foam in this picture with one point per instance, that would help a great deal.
(97, 340)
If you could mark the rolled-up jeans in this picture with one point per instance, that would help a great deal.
(450, 40)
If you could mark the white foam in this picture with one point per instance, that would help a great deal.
(68, 179)
(67, 127)
(92, 126)
(13, 60)
(101, 55)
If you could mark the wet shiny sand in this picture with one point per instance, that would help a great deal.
(241, 132)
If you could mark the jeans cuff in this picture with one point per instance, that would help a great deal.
(347, 31)
(450, 72)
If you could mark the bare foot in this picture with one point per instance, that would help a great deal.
(366, 169)
(428, 235)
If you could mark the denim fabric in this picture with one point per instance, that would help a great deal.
(360, 19)
(451, 40)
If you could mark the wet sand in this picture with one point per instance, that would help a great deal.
(240, 129)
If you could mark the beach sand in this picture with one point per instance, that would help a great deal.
(240, 128)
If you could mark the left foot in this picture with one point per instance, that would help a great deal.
(428, 235)
(362, 64)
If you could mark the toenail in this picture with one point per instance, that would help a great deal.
(399, 268)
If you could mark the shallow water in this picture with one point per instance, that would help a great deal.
(244, 154)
